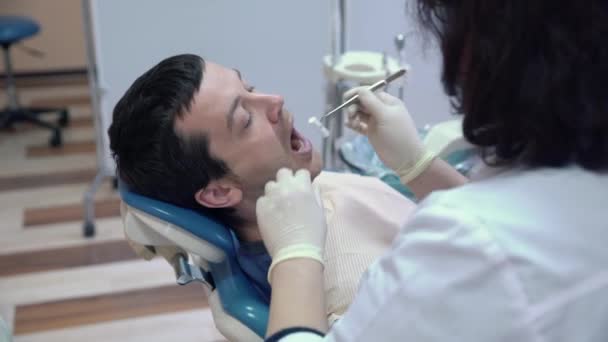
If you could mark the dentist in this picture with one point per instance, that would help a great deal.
(521, 255)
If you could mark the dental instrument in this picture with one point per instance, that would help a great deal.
(313, 120)
(373, 87)
(317, 121)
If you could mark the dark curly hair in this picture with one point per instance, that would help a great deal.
(152, 158)
(529, 77)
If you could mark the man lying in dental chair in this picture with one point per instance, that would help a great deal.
(195, 134)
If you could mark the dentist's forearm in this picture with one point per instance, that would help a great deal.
(298, 298)
(438, 176)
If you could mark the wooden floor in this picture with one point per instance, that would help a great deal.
(56, 285)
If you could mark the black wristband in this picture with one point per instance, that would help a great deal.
(282, 333)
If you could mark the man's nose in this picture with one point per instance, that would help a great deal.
(274, 106)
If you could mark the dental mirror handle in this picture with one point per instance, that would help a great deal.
(373, 87)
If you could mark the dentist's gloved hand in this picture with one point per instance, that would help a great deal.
(291, 221)
(389, 127)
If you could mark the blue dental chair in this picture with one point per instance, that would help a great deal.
(199, 249)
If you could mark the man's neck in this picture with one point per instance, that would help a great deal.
(248, 231)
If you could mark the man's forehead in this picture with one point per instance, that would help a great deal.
(218, 81)
(217, 70)
(219, 86)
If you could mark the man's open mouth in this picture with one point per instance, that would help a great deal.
(299, 144)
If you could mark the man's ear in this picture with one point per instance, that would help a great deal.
(219, 193)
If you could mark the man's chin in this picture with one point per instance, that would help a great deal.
(316, 164)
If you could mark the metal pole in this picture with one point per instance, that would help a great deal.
(339, 119)
(334, 91)
(11, 89)
(102, 173)
(342, 25)
(400, 46)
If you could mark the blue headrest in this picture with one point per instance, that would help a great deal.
(239, 298)
(204, 227)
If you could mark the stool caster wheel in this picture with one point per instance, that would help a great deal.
(55, 140)
(64, 119)
(89, 229)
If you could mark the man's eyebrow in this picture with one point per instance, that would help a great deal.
(238, 73)
(230, 114)
(235, 103)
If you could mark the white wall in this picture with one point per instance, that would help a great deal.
(372, 25)
(278, 46)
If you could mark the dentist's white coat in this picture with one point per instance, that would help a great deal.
(521, 256)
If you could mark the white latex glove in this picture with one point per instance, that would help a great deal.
(291, 222)
(389, 127)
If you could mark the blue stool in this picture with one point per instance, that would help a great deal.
(13, 30)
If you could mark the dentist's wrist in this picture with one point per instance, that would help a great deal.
(409, 173)
(439, 175)
(299, 251)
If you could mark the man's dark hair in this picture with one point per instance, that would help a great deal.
(152, 158)
(529, 76)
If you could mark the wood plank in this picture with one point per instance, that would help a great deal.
(35, 217)
(80, 122)
(62, 101)
(48, 79)
(76, 122)
(110, 307)
(68, 148)
(8, 183)
(67, 257)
